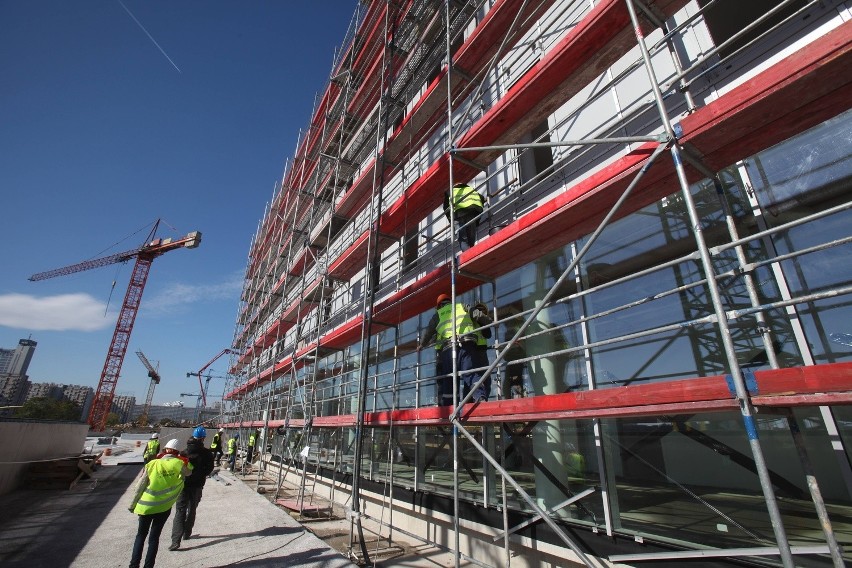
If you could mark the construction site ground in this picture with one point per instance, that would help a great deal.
(90, 526)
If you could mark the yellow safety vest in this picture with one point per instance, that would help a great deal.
(576, 466)
(252, 439)
(165, 482)
(464, 326)
(151, 449)
(465, 197)
(216, 441)
(232, 446)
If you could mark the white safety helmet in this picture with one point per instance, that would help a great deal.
(173, 444)
(154, 436)
(221, 430)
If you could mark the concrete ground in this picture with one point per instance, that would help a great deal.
(89, 526)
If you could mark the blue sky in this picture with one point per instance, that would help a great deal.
(114, 114)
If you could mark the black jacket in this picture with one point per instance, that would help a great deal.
(201, 459)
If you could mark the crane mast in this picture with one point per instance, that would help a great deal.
(155, 380)
(144, 255)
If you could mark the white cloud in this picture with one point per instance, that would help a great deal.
(180, 296)
(65, 312)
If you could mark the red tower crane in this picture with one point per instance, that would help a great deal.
(144, 256)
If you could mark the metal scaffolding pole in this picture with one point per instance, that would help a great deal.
(742, 395)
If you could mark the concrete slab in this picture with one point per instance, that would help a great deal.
(90, 527)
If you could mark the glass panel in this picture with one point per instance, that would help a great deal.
(808, 174)
(691, 478)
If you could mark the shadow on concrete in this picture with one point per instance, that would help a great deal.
(220, 538)
(319, 557)
(31, 517)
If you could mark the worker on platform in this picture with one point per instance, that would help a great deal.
(216, 446)
(471, 346)
(252, 442)
(201, 460)
(160, 483)
(467, 205)
(575, 465)
(232, 451)
(152, 448)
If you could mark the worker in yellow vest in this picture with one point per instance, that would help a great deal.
(232, 451)
(159, 486)
(252, 442)
(467, 205)
(152, 448)
(471, 349)
(216, 445)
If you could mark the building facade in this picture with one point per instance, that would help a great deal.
(80, 395)
(16, 361)
(664, 252)
(123, 406)
(13, 391)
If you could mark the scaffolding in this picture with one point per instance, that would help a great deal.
(353, 249)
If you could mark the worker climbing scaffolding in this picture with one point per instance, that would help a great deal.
(467, 205)
(469, 326)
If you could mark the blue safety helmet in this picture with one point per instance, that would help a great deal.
(199, 432)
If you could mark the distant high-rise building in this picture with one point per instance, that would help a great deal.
(80, 395)
(44, 390)
(16, 361)
(13, 390)
(123, 405)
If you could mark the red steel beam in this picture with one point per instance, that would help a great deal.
(796, 386)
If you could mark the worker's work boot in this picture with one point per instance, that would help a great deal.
(174, 546)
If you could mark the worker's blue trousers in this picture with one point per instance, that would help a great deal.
(470, 356)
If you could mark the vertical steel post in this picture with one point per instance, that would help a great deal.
(742, 395)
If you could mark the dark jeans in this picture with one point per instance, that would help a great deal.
(232, 461)
(185, 508)
(153, 523)
(217, 455)
(249, 454)
(466, 220)
(470, 356)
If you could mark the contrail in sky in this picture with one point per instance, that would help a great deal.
(150, 37)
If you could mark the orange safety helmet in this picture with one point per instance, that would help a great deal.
(441, 299)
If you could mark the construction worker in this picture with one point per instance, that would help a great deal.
(216, 445)
(467, 204)
(160, 483)
(471, 347)
(575, 465)
(152, 448)
(252, 442)
(232, 451)
(201, 460)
